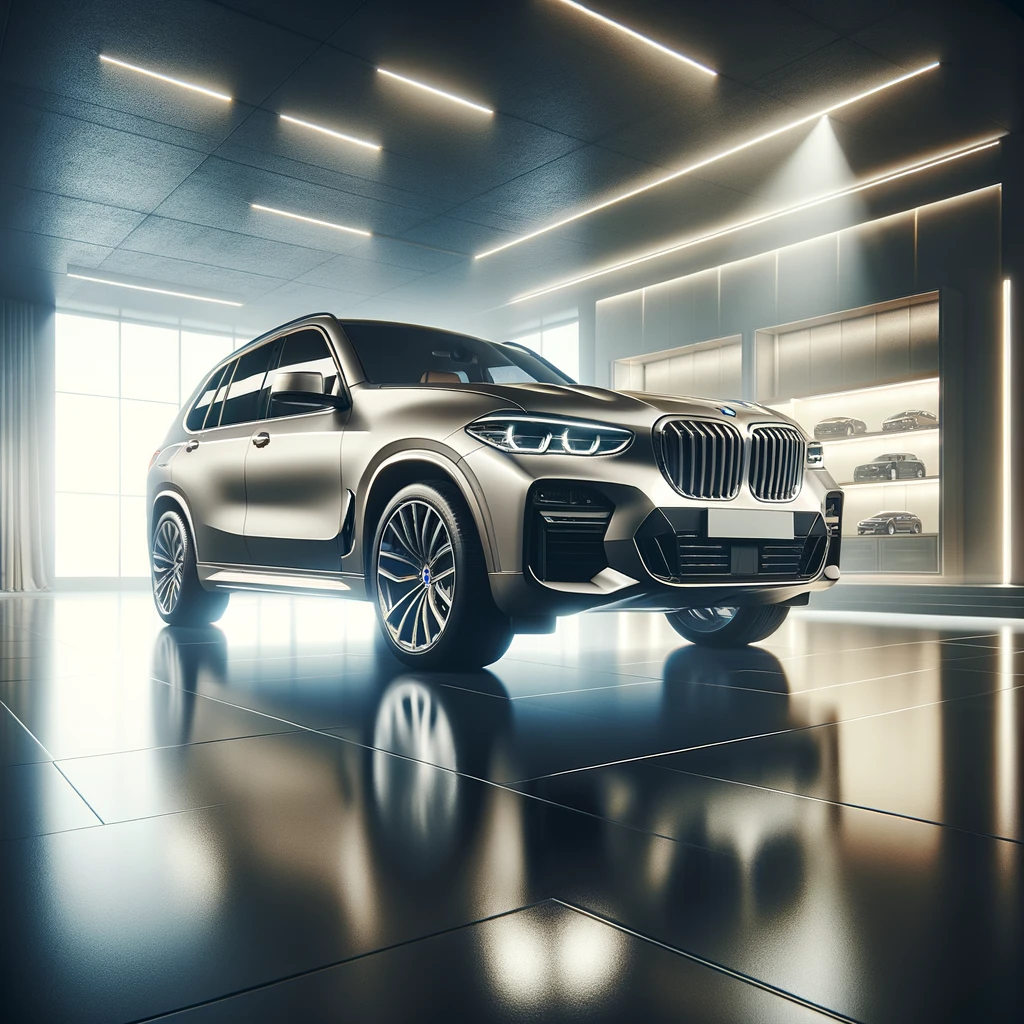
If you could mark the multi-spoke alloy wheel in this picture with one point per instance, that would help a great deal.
(415, 576)
(168, 564)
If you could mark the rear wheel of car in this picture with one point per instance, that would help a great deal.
(916, 528)
(429, 583)
(727, 627)
(920, 473)
(849, 430)
(890, 529)
(892, 474)
(179, 596)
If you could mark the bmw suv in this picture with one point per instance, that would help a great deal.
(471, 490)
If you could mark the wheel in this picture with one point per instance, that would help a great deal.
(892, 474)
(429, 582)
(916, 528)
(849, 430)
(179, 596)
(920, 473)
(890, 529)
(727, 627)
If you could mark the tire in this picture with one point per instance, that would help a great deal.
(426, 623)
(920, 474)
(890, 529)
(709, 627)
(916, 528)
(849, 430)
(177, 593)
(892, 474)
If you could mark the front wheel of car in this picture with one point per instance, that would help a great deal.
(727, 627)
(429, 583)
(890, 529)
(179, 596)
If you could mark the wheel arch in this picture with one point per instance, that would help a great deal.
(412, 466)
(171, 500)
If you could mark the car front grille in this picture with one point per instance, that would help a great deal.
(701, 458)
(777, 456)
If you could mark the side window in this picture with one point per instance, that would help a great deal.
(305, 351)
(197, 415)
(248, 389)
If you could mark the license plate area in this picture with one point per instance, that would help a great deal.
(750, 524)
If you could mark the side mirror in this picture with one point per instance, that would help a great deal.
(304, 388)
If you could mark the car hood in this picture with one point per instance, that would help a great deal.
(634, 409)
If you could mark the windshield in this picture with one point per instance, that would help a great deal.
(407, 354)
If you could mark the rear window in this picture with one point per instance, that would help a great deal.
(197, 415)
(407, 354)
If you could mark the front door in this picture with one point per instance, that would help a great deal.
(296, 503)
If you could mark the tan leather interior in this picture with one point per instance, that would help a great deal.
(440, 377)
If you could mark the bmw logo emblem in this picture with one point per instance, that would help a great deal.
(426, 577)
(725, 411)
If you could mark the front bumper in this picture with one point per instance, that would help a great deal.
(631, 541)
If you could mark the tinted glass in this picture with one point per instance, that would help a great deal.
(305, 351)
(248, 390)
(197, 416)
(405, 354)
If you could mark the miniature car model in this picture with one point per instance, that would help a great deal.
(470, 490)
(911, 419)
(892, 466)
(890, 523)
(839, 426)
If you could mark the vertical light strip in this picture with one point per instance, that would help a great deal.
(1007, 436)
(1007, 797)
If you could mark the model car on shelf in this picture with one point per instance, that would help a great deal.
(889, 523)
(911, 419)
(839, 426)
(471, 490)
(891, 466)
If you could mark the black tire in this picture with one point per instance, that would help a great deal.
(920, 474)
(177, 593)
(474, 632)
(745, 626)
(891, 529)
(916, 528)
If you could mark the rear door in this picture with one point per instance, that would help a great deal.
(296, 500)
(210, 469)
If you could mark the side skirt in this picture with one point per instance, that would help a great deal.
(271, 579)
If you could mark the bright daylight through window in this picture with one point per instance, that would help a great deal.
(119, 385)
(559, 345)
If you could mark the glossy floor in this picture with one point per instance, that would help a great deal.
(271, 819)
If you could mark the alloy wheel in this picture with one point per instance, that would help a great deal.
(415, 576)
(168, 565)
(708, 620)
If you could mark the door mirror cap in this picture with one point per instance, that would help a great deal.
(304, 387)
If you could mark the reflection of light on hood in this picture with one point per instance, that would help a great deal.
(573, 960)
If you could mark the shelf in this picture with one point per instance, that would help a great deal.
(878, 435)
(916, 382)
(912, 482)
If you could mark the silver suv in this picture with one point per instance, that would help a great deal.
(471, 491)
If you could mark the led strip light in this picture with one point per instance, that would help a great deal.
(329, 131)
(707, 162)
(165, 78)
(312, 220)
(642, 38)
(437, 92)
(1007, 435)
(157, 291)
(743, 225)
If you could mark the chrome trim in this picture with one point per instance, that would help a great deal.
(715, 472)
(778, 454)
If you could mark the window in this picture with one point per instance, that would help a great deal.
(558, 345)
(197, 415)
(247, 392)
(119, 386)
(305, 351)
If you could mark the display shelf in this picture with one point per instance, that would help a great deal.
(878, 435)
(868, 389)
(913, 481)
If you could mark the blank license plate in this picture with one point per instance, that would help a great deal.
(750, 524)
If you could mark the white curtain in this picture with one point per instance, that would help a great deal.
(23, 410)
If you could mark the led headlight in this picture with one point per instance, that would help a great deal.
(543, 435)
(815, 455)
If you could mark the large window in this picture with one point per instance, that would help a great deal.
(119, 386)
(559, 345)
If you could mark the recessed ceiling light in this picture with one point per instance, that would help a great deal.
(329, 131)
(165, 78)
(436, 92)
(642, 38)
(157, 291)
(743, 225)
(311, 220)
(706, 162)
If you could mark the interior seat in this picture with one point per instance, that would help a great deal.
(440, 377)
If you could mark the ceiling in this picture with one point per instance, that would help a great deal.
(116, 175)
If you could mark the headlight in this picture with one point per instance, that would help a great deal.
(541, 435)
(815, 455)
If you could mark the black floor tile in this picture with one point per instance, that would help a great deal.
(547, 962)
(35, 799)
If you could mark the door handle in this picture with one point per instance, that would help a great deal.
(262, 439)
(192, 445)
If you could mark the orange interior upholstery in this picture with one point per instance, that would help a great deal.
(440, 377)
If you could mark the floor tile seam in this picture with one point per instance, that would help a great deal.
(33, 736)
(163, 814)
(882, 647)
(842, 803)
(714, 965)
(171, 746)
(759, 736)
(79, 792)
(320, 968)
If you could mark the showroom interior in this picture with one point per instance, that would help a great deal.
(799, 208)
